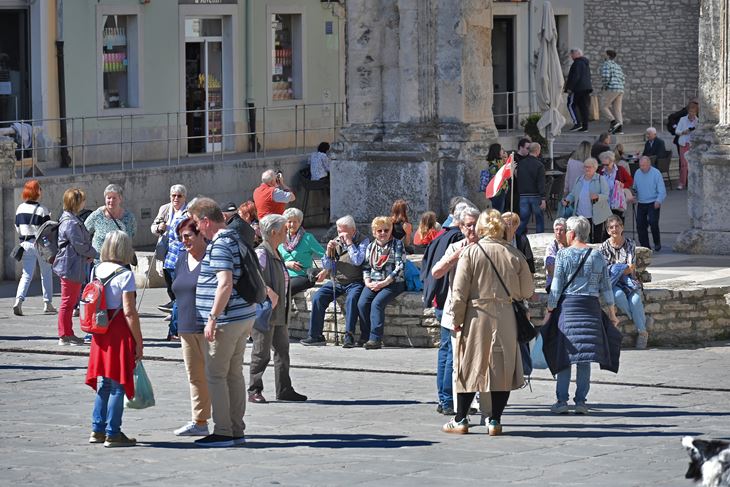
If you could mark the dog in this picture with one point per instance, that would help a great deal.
(709, 461)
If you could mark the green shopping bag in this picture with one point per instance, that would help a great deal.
(144, 396)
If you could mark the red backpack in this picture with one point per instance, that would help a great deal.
(92, 308)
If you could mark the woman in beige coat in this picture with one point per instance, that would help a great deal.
(487, 355)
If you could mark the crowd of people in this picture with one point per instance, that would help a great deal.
(475, 265)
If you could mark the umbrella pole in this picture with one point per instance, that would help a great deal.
(551, 142)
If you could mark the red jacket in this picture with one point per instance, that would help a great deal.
(263, 198)
(622, 175)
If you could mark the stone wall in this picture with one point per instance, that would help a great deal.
(657, 46)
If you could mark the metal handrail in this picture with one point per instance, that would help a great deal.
(295, 125)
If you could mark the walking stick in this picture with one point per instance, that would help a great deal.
(512, 185)
(333, 257)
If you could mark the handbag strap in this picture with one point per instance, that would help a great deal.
(496, 272)
(575, 274)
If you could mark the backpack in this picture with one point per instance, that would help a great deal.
(46, 241)
(673, 120)
(251, 285)
(92, 307)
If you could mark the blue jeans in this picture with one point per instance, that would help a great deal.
(582, 383)
(30, 257)
(108, 407)
(632, 307)
(172, 328)
(530, 205)
(445, 366)
(372, 308)
(498, 201)
(324, 296)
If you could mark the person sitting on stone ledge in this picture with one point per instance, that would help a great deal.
(620, 255)
(298, 251)
(402, 227)
(319, 163)
(383, 276)
(428, 230)
(551, 251)
(344, 257)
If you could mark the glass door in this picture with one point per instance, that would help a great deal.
(204, 84)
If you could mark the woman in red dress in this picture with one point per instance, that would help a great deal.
(114, 354)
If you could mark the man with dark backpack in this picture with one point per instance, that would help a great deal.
(226, 319)
(672, 121)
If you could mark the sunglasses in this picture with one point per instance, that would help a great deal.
(176, 196)
(382, 230)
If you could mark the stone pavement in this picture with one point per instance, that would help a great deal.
(370, 420)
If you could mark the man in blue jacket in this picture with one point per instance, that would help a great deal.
(650, 194)
(579, 88)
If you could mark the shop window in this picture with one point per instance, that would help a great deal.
(120, 62)
(286, 74)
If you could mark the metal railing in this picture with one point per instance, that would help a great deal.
(649, 105)
(291, 124)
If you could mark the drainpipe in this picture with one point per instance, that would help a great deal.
(65, 157)
(250, 101)
(530, 71)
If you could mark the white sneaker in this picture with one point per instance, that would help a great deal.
(49, 309)
(64, 342)
(18, 308)
(192, 429)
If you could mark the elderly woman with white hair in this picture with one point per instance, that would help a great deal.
(617, 179)
(164, 226)
(576, 330)
(590, 196)
(110, 217)
(298, 251)
(274, 332)
(113, 355)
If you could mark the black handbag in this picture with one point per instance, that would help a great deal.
(17, 252)
(525, 329)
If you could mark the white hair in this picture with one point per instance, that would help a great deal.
(295, 213)
(559, 222)
(577, 51)
(268, 176)
(346, 221)
(651, 130)
(113, 188)
(580, 226)
(467, 211)
(270, 224)
(179, 189)
(606, 155)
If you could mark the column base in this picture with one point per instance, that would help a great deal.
(704, 242)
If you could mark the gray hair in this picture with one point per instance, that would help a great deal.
(465, 212)
(534, 148)
(113, 188)
(270, 224)
(592, 162)
(651, 130)
(607, 155)
(577, 51)
(580, 226)
(559, 222)
(117, 247)
(346, 221)
(295, 213)
(647, 158)
(179, 189)
(268, 176)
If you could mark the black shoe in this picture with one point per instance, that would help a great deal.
(617, 129)
(349, 341)
(575, 127)
(657, 248)
(216, 441)
(583, 129)
(291, 396)
(373, 344)
(610, 126)
(440, 409)
(313, 342)
(256, 397)
(448, 411)
(166, 308)
(361, 342)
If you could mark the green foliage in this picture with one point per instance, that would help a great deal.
(529, 124)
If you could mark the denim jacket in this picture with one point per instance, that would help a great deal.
(599, 186)
(592, 280)
(74, 247)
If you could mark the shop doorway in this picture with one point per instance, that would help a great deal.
(204, 101)
(14, 65)
(503, 72)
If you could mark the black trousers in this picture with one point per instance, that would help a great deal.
(168, 283)
(648, 216)
(582, 100)
(464, 400)
(299, 284)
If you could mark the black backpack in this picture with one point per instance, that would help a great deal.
(251, 285)
(673, 120)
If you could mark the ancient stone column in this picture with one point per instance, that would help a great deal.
(419, 89)
(709, 158)
(7, 207)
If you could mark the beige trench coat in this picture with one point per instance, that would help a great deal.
(487, 356)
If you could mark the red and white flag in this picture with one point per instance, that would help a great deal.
(504, 173)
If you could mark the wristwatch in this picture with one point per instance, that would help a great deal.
(212, 317)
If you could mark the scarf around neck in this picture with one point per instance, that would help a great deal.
(379, 255)
(291, 242)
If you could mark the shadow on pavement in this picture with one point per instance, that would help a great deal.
(363, 402)
(599, 434)
(26, 338)
(40, 367)
(313, 441)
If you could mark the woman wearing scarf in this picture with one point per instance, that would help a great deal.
(383, 276)
(618, 179)
(298, 251)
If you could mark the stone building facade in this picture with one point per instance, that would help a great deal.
(656, 42)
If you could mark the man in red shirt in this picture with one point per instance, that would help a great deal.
(272, 195)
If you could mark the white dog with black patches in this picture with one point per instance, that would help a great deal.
(709, 461)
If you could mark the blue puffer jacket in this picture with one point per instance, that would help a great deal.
(591, 339)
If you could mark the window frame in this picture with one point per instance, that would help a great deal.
(135, 48)
(298, 60)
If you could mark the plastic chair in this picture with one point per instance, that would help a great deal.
(662, 164)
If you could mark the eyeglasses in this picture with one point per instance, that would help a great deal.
(471, 226)
(382, 230)
(176, 196)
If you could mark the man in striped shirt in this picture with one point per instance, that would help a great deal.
(227, 319)
(612, 77)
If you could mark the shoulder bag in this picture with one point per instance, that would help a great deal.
(525, 329)
(134, 254)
